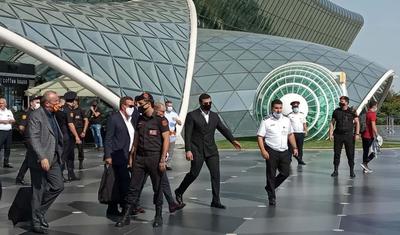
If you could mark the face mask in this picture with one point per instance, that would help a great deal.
(342, 105)
(374, 109)
(56, 108)
(169, 109)
(277, 115)
(295, 110)
(141, 109)
(206, 107)
(129, 111)
(36, 106)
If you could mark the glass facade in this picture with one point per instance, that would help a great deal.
(319, 21)
(128, 47)
(230, 66)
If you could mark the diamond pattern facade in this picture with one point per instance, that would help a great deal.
(128, 47)
(231, 65)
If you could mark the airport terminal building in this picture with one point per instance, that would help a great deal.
(244, 53)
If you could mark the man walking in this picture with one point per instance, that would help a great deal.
(299, 125)
(45, 146)
(273, 136)
(369, 134)
(200, 147)
(94, 116)
(341, 131)
(6, 121)
(173, 120)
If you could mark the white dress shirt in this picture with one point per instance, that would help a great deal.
(131, 130)
(297, 120)
(276, 132)
(205, 115)
(6, 115)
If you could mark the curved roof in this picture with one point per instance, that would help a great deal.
(126, 46)
(230, 66)
(319, 21)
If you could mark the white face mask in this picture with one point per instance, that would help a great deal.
(169, 109)
(36, 106)
(277, 115)
(374, 109)
(129, 111)
(295, 110)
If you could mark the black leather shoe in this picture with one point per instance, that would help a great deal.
(43, 222)
(272, 202)
(126, 219)
(301, 162)
(20, 182)
(158, 221)
(73, 178)
(218, 205)
(334, 174)
(7, 166)
(39, 229)
(178, 197)
(352, 175)
(175, 207)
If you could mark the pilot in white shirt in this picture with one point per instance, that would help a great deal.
(273, 135)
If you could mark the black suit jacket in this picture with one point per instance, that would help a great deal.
(199, 136)
(117, 140)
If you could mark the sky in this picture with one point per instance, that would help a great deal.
(379, 38)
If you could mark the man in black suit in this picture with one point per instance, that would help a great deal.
(200, 147)
(117, 146)
(44, 142)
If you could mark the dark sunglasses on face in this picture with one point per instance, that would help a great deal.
(131, 106)
(207, 103)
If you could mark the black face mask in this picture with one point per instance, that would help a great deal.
(141, 109)
(206, 107)
(341, 105)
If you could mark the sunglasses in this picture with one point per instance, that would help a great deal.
(207, 103)
(131, 106)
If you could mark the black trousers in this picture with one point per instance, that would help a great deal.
(299, 143)
(5, 142)
(122, 178)
(165, 188)
(349, 145)
(212, 163)
(366, 143)
(46, 186)
(145, 165)
(68, 155)
(277, 161)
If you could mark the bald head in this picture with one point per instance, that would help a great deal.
(50, 101)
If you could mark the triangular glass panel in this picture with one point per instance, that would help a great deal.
(247, 126)
(174, 31)
(261, 53)
(56, 18)
(247, 97)
(220, 85)
(205, 82)
(262, 67)
(173, 53)
(127, 74)
(300, 57)
(221, 65)
(248, 55)
(6, 10)
(102, 24)
(40, 33)
(137, 47)
(68, 38)
(142, 29)
(116, 45)
(103, 68)
(205, 47)
(234, 104)
(249, 83)
(79, 21)
(166, 86)
(93, 42)
(311, 57)
(276, 63)
(249, 65)
(156, 50)
(80, 59)
(235, 79)
(123, 27)
(232, 119)
(148, 76)
(13, 25)
(235, 67)
(220, 98)
(28, 13)
(196, 89)
(286, 54)
(158, 30)
(207, 69)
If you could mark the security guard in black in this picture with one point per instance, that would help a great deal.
(346, 126)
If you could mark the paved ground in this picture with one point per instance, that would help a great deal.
(309, 202)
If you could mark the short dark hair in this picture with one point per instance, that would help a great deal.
(275, 101)
(123, 100)
(168, 102)
(372, 103)
(204, 96)
(345, 98)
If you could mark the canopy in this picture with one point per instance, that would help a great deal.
(59, 85)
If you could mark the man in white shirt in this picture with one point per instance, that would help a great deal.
(6, 121)
(273, 136)
(173, 120)
(299, 125)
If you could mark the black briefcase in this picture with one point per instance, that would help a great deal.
(21, 208)
(108, 190)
